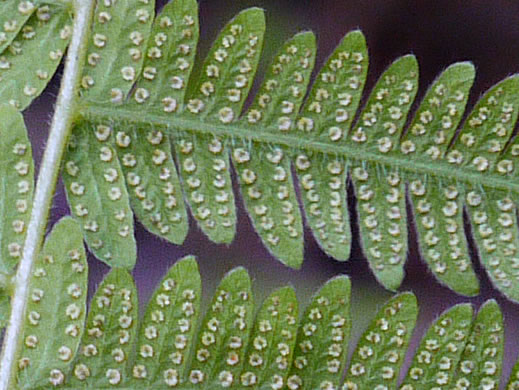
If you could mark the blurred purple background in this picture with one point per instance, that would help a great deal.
(438, 33)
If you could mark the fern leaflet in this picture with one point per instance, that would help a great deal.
(16, 194)
(33, 48)
(202, 118)
(232, 346)
(119, 164)
(56, 309)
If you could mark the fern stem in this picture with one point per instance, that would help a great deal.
(46, 183)
(295, 142)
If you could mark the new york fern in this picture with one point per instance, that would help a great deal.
(152, 137)
(117, 159)
(233, 347)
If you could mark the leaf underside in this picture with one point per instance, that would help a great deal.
(56, 309)
(379, 354)
(481, 361)
(198, 124)
(202, 119)
(33, 39)
(97, 195)
(435, 362)
(173, 346)
(16, 186)
(109, 335)
(16, 192)
(32, 44)
(119, 163)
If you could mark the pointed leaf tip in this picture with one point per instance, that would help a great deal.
(378, 357)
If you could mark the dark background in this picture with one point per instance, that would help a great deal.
(439, 33)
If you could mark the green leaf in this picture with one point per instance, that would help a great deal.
(264, 170)
(434, 363)
(328, 115)
(27, 65)
(224, 334)
(273, 351)
(56, 309)
(383, 226)
(322, 340)
(13, 15)
(205, 174)
(494, 225)
(269, 354)
(380, 188)
(152, 181)
(219, 95)
(168, 329)
(488, 127)
(478, 147)
(170, 55)
(110, 331)
(440, 112)
(385, 113)
(381, 350)
(438, 206)
(481, 362)
(228, 71)
(16, 186)
(97, 195)
(117, 48)
(438, 201)
(154, 189)
(444, 174)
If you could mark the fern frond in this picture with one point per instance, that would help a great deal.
(155, 190)
(436, 360)
(16, 192)
(168, 330)
(114, 63)
(224, 333)
(110, 333)
(98, 196)
(232, 346)
(13, 16)
(204, 159)
(272, 342)
(481, 361)
(435, 198)
(33, 39)
(322, 341)
(56, 309)
(317, 137)
(378, 357)
(327, 114)
(17, 186)
(32, 49)
(264, 170)
(380, 188)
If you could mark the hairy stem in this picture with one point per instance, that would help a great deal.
(46, 183)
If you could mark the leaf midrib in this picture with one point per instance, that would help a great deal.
(98, 113)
